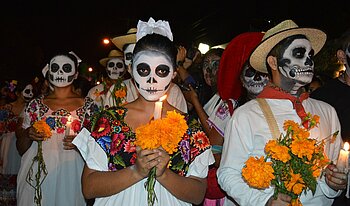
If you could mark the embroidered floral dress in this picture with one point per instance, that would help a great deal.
(10, 160)
(110, 146)
(62, 185)
(109, 95)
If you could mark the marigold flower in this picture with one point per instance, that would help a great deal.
(295, 184)
(258, 173)
(303, 148)
(276, 151)
(42, 127)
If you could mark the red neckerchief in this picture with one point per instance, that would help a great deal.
(271, 91)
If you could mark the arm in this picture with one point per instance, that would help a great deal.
(189, 189)
(26, 137)
(240, 143)
(192, 97)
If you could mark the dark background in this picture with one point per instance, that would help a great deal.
(32, 31)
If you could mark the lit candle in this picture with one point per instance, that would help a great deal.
(343, 159)
(158, 108)
(68, 125)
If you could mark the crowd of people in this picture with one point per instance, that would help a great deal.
(168, 125)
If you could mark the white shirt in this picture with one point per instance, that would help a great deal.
(218, 113)
(246, 135)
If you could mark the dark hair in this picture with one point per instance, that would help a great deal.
(157, 43)
(83, 84)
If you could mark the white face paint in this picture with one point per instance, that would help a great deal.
(61, 71)
(152, 73)
(27, 93)
(115, 68)
(128, 53)
(253, 81)
(297, 63)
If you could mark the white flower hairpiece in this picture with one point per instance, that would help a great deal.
(150, 27)
(45, 70)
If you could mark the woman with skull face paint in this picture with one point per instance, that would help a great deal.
(153, 66)
(286, 53)
(126, 43)
(10, 160)
(62, 185)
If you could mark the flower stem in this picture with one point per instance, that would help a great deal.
(149, 185)
(41, 170)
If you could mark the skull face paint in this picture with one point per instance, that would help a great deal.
(297, 63)
(115, 68)
(210, 69)
(27, 93)
(128, 54)
(152, 72)
(253, 81)
(61, 71)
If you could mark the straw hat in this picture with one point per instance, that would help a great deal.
(129, 38)
(112, 54)
(276, 34)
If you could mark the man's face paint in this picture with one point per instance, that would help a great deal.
(128, 54)
(61, 71)
(253, 81)
(297, 64)
(152, 73)
(210, 69)
(27, 93)
(115, 68)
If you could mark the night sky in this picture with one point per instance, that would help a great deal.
(32, 32)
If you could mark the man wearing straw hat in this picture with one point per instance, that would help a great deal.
(112, 90)
(286, 53)
(126, 43)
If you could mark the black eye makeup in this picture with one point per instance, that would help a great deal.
(119, 64)
(128, 56)
(67, 68)
(143, 69)
(162, 70)
(54, 67)
(298, 52)
(250, 72)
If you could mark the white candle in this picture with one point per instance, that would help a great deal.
(343, 159)
(68, 126)
(157, 114)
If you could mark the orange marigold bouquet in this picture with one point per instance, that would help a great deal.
(41, 127)
(165, 133)
(296, 161)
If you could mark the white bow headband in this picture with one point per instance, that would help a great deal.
(150, 27)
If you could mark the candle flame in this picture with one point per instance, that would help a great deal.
(162, 98)
(346, 146)
(69, 118)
